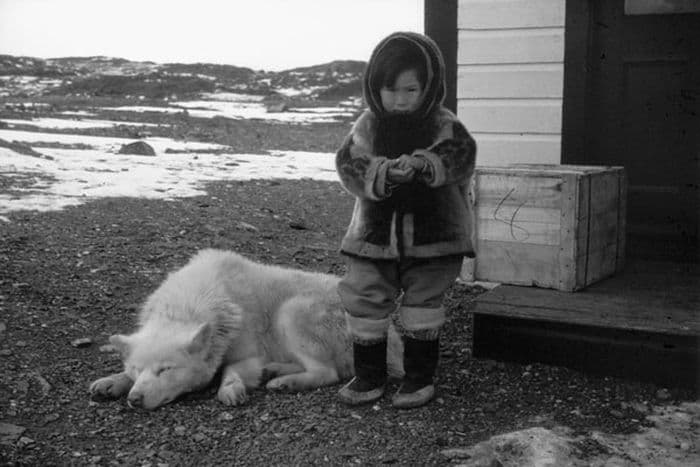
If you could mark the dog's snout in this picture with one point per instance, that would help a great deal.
(135, 400)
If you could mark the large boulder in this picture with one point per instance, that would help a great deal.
(670, 440)
(533, 447)
(137, 148)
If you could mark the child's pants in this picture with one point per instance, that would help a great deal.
(370, 289)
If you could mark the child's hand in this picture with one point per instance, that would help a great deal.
(397, 174)
(405, 169)
(418, 164)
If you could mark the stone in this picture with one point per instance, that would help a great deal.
(137, 148)
(10, 433)
(82, 342)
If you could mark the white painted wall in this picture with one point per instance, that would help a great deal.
(510, 78)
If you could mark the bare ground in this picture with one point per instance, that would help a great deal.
(82, 272)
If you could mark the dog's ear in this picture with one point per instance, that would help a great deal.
(122, 343)
(200, 339)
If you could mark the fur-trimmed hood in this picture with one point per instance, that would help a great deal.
(434, 89)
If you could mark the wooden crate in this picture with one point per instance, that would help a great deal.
(552, 226)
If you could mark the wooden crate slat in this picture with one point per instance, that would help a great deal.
(572, 214)
(523, 264)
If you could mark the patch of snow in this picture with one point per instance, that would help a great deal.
(103, 143)
(64, 123)
(292, 92)
(325, 110)
(232, 97)
(253, 110)
(145, 108)
(26, 105)
(79, 175)
(78, 113)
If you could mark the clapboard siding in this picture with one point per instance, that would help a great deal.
(510, 81)
(511, 115)
(501, 14)
(510, 78)
(501, 149)
(511, 46)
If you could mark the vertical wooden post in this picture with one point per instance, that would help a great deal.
(576, 43)
(440, 24)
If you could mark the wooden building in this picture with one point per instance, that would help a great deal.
(595, 83)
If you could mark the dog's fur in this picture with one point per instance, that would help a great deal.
(255, 322)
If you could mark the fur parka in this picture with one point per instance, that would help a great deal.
(430, 216)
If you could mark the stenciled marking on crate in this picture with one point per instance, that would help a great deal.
(514, 227)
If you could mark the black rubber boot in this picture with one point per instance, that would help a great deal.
(420, 359)
(370, 374)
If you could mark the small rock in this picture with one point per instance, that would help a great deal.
(25, 441)
(639, 407)
(5, 352)
(199, 437)
(225, 417)
(3, 327)
(456, 453)
(50, 418)
(45, 386)
(490, 407)
(22, 386)
(108, 348)
(276, 107)
(166, 455)
(179, 430)
(137, 148)
(21, 344)
(298, 225)
(617, 414)
(9, 433)
(249, 227)
(663, 394)
(82, 342)
(685, 446)
(95, 459)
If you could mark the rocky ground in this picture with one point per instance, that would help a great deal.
(71, 278)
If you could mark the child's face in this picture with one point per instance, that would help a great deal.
(405, 95)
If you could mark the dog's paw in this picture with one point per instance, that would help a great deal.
(232, 393)
(279, 384)
(108, 387)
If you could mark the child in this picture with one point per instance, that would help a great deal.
(408, 161)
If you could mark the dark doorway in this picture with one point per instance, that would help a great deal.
(640, 108)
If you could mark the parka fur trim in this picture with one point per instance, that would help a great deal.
(430, 216)
(434, 92)
(427, 218)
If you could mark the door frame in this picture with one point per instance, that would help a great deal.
(577, 26)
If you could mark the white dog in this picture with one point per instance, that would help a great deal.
(255, 322)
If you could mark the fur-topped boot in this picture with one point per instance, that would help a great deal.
(370, 374)
(420, 361)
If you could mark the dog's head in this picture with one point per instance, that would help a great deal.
(165, 363)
